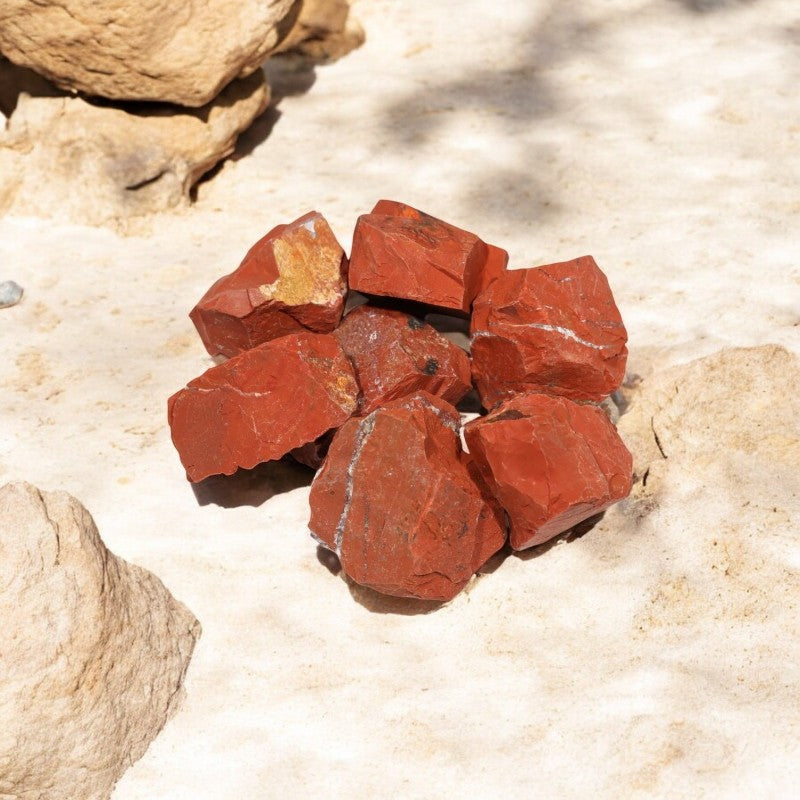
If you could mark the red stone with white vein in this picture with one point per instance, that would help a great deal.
(554, 329)
(396, 501)
(261, 404)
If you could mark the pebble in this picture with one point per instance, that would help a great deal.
(10, 294)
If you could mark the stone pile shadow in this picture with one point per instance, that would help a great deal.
(252, 487)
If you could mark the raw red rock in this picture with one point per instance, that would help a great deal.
(552, 329)
(293, 279)
(496, 260)
(490, 543)
(394, 208)
(550, 462)
(261, 404)
(496, 265)
(395, 501)
(395, 355)
(411, 255)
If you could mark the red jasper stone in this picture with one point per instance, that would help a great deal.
(490, 543)
(293, 279)
(395, 355)
(550, 462)
(496, 265)
(496, 260)
(396, 502)
(394, 208)
(552, 329)
(411, 255)
(261, 404)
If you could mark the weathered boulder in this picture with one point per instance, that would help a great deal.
(707, 544)
(554, 329)
(261, 404)
(93, 652)
(735, 414)
(68, 159)
(174, 51)
(551, 463)
(396, 502)
(324, 31)
(293, 279)
(395, 355)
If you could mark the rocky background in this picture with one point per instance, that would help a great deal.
(116, 110)
(652, 655)
(93, 649)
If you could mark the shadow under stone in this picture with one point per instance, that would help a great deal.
(387, 604)
(329, 560)
(573, 534)
(252, 487)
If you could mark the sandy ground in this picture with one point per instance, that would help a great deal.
(661, 136)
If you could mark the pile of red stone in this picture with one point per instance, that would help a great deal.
(406, 508)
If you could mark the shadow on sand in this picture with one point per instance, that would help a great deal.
(252, 487)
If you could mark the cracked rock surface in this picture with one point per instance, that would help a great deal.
(178, 52)
(551, 463)
(292, 279)
(553, 329)
(396, 502)
(93, 652)
(395, 354)
(243, 412)
(496, 258)
(74, 160)
(403, 253)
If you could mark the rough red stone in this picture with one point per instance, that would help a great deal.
(394, 208)
(395, 501)
(293, 279)
(395, 355)
(489, 546)
(496, 260)
(261, 404)
(553, 329)
(550, 462)
(496, 265)
(409, 254)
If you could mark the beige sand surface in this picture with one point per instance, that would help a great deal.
(663, 137)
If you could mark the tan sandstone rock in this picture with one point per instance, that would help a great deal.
(176, 51)
(72, 160)
(93, 652)
(737, 410)
(716, 446)
(324, 31)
